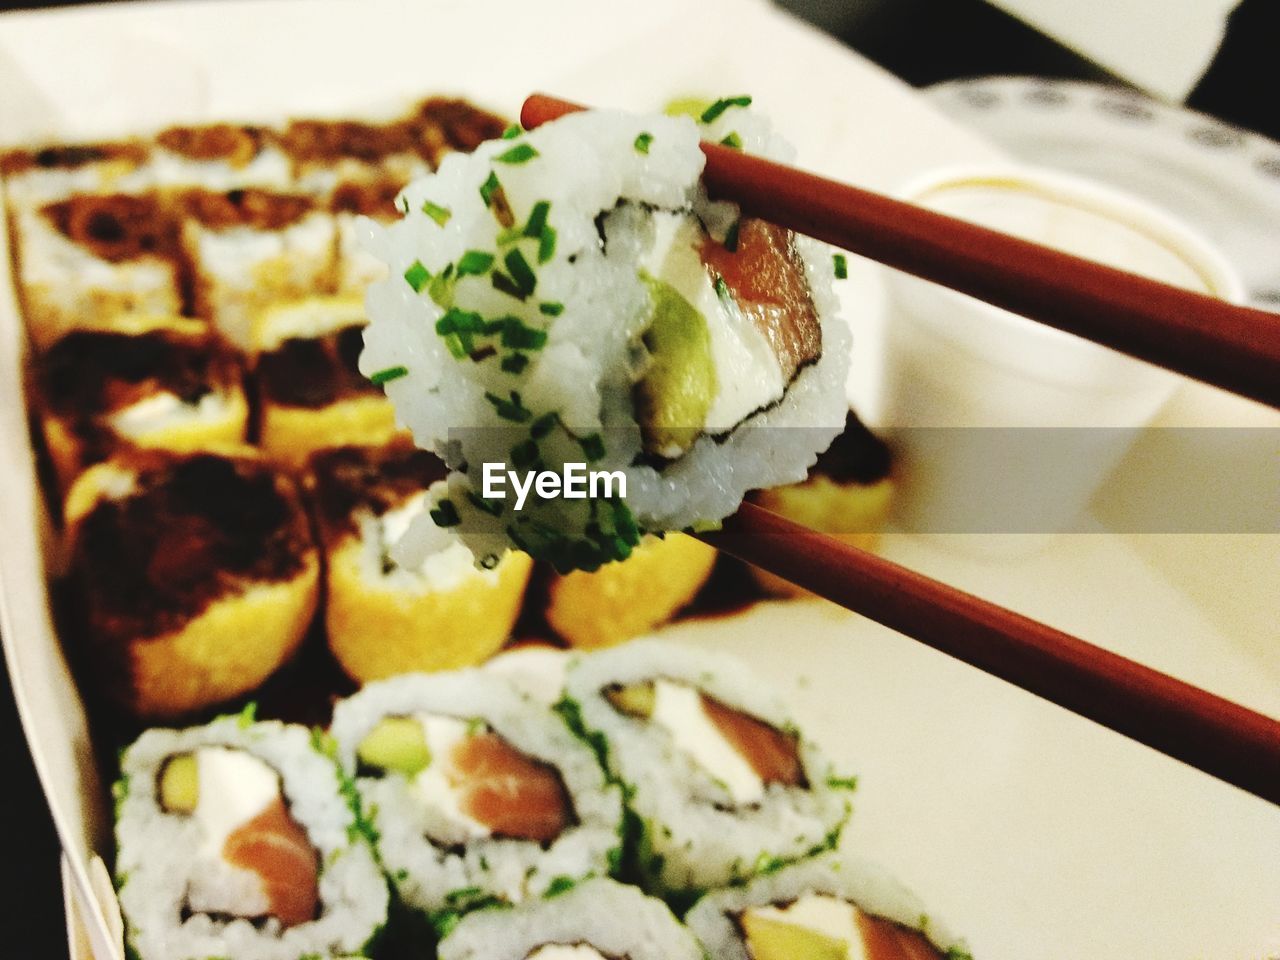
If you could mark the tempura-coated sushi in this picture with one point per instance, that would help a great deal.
(86, 260)
(831, 906)
(311, 394)
(234, 840)
(478, 794)
(570, 295)
(595, 920)
(629, 598)
(741, 789)
(195, 576)
(147, 382)
(381, 618)
(252, 250)
(219, 156)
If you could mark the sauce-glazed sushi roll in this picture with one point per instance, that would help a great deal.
(219, 156)
(325, 153)
(89, 259)
(311, 393)
(40, 175)
(251, 250)
(833, 906)
(477, 793)
(234, 840)
(149, 382)
(848, 494)
(195, 576)
(383, 619)
(595, 920)
(443, 125)
(719, 781)
(569, 296)
(628, 598)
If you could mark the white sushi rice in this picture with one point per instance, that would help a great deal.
(156, 866)
(598, 918)
(585, 166)
(695, 835)
(866, 885)
(431, 876)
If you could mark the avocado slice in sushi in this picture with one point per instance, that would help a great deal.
(778, 940)
(679, 386)
(396, 743)
(179, 787)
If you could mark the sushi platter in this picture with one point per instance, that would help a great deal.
(240, 687)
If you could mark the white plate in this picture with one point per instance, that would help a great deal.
(1038, 835)
(1220, 179)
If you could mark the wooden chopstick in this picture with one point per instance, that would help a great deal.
(1237, 348)
(1214, 735)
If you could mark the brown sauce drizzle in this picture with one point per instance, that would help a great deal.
(444, 124)
(375, 479)
(856, 456)
(314, 372)
(325, 142)
(71, 156)
(235, 144)
(248, 207)
(371, 198)
(116, 227)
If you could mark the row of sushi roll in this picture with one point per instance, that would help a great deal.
(510, 811)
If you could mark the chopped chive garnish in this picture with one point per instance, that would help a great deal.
(505, 284)
(521, 273)
(722, 290)
(456, 347)
(537, 219)
(515, 363)
(460, 321)
(437, 213)
(551, 309)
(518, 335)
(402, 204)
(417, 276)
(387, 375)
(520, 153)
(474, 263)
(643, 141)
(489, 187)
(524, 453)
(731, 237)
(547, 245)
(592, 447)
(720, 106)
(542, 426)
(732, 140)
(445, 514)
(512, 132)
(841, 266)
(511, 409)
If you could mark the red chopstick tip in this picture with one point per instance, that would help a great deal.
(539, 108)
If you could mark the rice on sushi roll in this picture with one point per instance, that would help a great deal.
(596, 920)
(381, 618)
(147, 382)
(350, 201)
(234, 840)
(311, 393)
(38, 175)
(740, 789)
(195, 576)
(833, 906)
(478, 794)
(219, 156)
(251, 250)
(88, 259)
(631, 597)
(569, 295)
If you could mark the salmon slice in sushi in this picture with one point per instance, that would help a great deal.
(234, 840)
(478, 794)
(148, 382)
(195, 576)
(311, 393)
(219, 156)
(85, 261)
(834, 906)
(381, 618)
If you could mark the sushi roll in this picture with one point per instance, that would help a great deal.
(40, 175)
(848, 494)
(219, 156)
(478, 794)
(325, 153)
(195, 577)
(596, 920)
(629, 598)
(569, 296)
(740, 790)
(351, 200)
(833, 906)
(381, 618)
(444, 125)
(234, 840)
(251, 250)
(148, 382)
(89, 259)
(311, 394)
